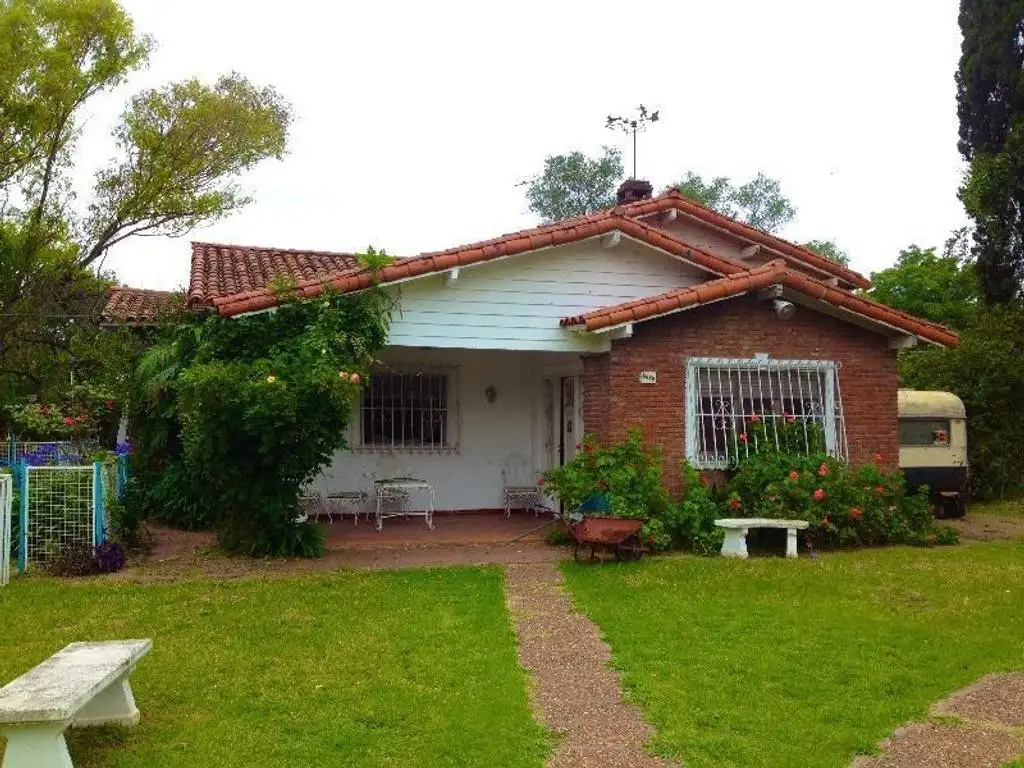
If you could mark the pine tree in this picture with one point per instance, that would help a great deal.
(990, 105)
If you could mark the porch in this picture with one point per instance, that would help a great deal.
(474, 528)
(459, 426)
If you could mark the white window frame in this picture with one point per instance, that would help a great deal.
(809, 375)
(452, 420)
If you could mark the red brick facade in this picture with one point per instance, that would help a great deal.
(614, 400)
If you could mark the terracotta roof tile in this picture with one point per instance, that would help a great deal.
(754, 280)
(261, 298)
(230, 270)
(673, 200)
(137, 305)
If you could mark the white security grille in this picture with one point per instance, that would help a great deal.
(61, 510)
(405, 410)
(6, 524)
(724, 396)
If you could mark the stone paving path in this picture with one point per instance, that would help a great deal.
(988, 730)
(574, 692)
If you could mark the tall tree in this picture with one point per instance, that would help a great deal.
(574, 185)
(179, 151)
(758, 202)
(990, 105)
(830, 250)
(940, 287)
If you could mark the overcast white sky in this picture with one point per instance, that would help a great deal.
(415, 121)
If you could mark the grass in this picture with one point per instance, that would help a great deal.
(1007, 508)
(771, 662)
(408, 668)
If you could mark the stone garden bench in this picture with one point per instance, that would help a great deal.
(735, 544)
(84, 684)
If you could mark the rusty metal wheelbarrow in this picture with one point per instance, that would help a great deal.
(620, 535)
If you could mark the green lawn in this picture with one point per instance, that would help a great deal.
(1009, 508)
(771, 662)
(408, 668)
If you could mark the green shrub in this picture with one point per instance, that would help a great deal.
(234, 415)
(627, 474)
(845, 507)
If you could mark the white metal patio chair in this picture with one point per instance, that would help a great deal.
(519, 485)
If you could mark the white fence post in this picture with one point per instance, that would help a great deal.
(6, 522)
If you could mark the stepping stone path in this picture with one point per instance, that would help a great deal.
(575, 692)
(988, 731)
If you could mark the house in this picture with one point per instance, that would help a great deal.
(659, 313)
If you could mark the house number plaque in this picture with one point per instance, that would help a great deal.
(648, 377)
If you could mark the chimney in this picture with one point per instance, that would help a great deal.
(632, 190)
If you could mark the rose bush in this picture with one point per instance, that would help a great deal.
(845, 506)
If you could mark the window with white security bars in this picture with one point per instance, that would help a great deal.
(407, 411)
(797, 400)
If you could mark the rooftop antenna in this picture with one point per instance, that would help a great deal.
(633, 125)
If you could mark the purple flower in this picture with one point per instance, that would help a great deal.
(123, 448)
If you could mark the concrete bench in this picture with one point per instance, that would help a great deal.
(84, 684)
(735, 544)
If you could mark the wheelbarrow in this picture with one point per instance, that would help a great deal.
(620, 535)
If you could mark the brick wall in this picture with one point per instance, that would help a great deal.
(743, 327)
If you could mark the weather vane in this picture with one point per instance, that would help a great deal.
(633, 125)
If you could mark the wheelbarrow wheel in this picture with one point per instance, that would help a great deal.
(630, 550)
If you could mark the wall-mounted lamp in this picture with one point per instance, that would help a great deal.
(491, 394)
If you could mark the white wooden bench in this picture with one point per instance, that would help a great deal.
(735, 544)
(84, 684)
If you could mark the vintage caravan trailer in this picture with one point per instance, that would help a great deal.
(933, 447)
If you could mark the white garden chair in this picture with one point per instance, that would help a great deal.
(519, 485)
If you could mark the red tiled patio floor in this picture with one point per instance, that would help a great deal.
(457, 528)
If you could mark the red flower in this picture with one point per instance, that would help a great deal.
(794, 475)
(541, 481)
(879, 489)
(109, 403)
(755, 419)
(790, 419)
(743, 438)
(854, 513)
(734, 503)
(823, 469)
(819, 494)
(578, 446)
(588, 448)
(68, 421)
(45, 410)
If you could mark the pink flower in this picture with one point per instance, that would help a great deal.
(790, 419)
(755, 419)
(68, 421)
(819, 494)
(743, 438)
(855, 513)
(823, 469)
(794, 475)
(734, 503)
(109, 403)
(354, 378)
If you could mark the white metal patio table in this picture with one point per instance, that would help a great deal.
(400, 489)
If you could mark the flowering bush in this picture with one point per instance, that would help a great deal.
(626, 474)
(83, 411)
(844, 506)
(235, 415)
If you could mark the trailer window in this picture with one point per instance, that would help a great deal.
(924, 431)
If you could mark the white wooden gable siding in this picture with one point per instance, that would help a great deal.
(516, 303)
(708, 239)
